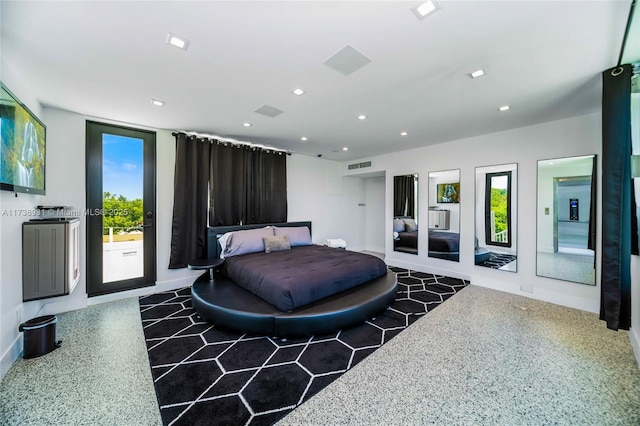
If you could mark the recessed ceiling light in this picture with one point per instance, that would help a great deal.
(247, 124)
(304, 139)
(477, 73)
(504, 108)
(156, 102)
(179, 42)
(425, 9)
(403, 133)
(298, 92)
(345, 149)
(362, 117)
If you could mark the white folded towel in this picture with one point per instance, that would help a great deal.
(336, 243)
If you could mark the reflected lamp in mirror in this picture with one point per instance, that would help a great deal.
(444, 215)
(405, 213)
(566, 219)
(496, 206)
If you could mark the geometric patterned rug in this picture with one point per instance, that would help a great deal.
(497, 260)
(210, 376)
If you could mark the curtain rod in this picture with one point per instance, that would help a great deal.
(232, 142)
(626, 31)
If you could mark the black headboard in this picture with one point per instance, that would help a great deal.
(213, 248)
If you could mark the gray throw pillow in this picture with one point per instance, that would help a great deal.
(276, 243)
(398, 225)
(410, 225)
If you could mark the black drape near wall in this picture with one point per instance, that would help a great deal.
(593, 225)
(403, 195)
(190, 193)
(228, 180)
(266, 197)
(615, 300)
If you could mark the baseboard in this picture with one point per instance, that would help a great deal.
(426, 269)
(11, 355)
(634, 338)
(178, 283)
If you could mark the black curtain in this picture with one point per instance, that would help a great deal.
(228, 180)
(615, 300)
(190, 193)
(403, 199)
(591, 241)
(266, 189)
(248, 185)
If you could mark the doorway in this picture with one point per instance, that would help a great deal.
(573, 210)
(121, 188)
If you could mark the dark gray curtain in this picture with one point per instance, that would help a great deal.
(615, 300)
(190, 193)
(591, 241)
(266, 190)
(403, 195)
(228, 180)
(248, 185)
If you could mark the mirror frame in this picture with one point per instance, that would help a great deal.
(406, 239)
(443, 255)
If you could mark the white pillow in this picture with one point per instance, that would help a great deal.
(298, 235)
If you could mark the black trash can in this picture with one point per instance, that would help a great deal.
(39, 336)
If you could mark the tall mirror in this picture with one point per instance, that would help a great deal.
(444, 214)
(405, 213)
(496, 217)
(566, 237)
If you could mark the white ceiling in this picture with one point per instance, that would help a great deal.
(109, 59)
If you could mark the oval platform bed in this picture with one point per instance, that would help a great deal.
(228, 305)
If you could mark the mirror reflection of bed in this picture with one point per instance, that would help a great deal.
(444, 215)
(496, 217)
(566, 219)
(405, 213)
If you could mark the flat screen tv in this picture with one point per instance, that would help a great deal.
(448, 193)
(22, 146)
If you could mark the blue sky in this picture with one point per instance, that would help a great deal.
(122, 166)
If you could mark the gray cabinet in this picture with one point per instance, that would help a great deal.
(50, 258)
(439, 219)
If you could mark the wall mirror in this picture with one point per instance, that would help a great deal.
(444, 214)
(405, 213)
(496, 217)
(566, 218)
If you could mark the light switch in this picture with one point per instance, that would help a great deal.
(546, 211)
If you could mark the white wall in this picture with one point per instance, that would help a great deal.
(317, 191)
(525, 146)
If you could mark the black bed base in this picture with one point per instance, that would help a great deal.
(227, 305)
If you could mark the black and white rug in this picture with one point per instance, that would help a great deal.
(497, 260)
(207, 376)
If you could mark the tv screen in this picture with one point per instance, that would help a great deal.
(448, 193)
(22, 146)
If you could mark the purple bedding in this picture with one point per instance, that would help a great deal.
(407, 239)
(293, 278)
(446, 242)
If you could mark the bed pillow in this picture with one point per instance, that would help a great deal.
(410, 225)
(398, 225)
(298, 235)
(276, 243)
(243, 242)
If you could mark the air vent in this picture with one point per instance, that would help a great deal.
(347, 61)
(354, 166)
(365, 164)
(269, 111)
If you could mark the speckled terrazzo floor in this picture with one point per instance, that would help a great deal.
(99, 376)
(479, 359)
(488, 358)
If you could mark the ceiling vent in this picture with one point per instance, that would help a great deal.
(359, 165)
(269, 111)
(347, 61)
